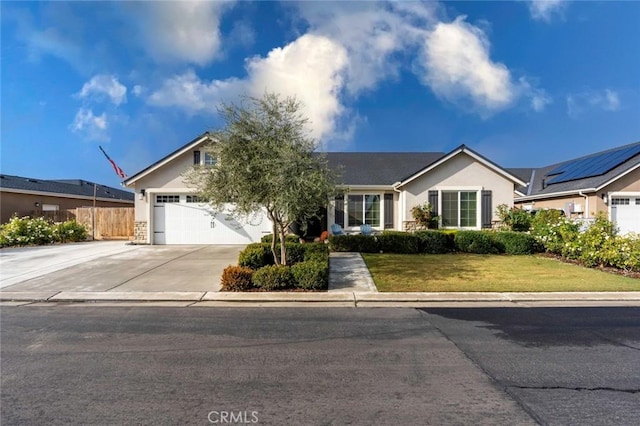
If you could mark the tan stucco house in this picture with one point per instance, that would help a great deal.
(464, 188)
(606, 181)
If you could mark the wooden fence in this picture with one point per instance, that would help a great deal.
(107, 223)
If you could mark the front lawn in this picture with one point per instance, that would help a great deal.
(475, 272)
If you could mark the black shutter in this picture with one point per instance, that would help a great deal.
(487, 209)
(433, 201)
(339, 212)
(388, 211)
(196, 158)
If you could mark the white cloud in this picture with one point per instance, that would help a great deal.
(458, 68)
(138, 90)
(182, 31)
(310, 68)
(104, 84)
(579, 103)
(543, 10)
(92, 127)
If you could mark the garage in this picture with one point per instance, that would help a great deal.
(625, 213)
(185, 219)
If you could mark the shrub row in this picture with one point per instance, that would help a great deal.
(307, 275)
(597, 245)
(436, 242)
(23, 231)
(307, 268)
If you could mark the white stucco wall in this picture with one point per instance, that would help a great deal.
(460, 172)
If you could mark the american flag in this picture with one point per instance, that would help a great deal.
(117, 169)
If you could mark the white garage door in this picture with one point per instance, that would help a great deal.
(625, 212)
(182, 219)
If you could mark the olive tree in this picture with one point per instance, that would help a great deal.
(265, 160)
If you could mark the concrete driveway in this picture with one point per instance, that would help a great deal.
(115, 266)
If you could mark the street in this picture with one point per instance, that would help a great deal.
(84, 364)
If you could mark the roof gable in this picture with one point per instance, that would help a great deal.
(199, 141)
(460, 150)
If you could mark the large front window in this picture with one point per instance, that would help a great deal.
(460, 209)
(364, 209)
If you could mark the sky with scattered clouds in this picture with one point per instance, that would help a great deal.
(525, 83)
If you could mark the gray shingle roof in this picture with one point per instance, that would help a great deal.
(537, 188)
(378, 168)
(77, 187)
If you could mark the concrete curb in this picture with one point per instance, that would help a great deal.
(324, 298)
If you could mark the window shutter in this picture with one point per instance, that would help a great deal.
(388, 211)
(486, 209)
(196, 158)
(339, 212)
(433, 201)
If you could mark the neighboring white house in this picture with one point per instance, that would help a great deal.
(464, 188)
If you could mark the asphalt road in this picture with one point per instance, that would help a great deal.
(96, 365)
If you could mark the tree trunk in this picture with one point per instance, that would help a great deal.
(274, 234)
(283, 249)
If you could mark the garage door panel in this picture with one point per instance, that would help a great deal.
(194, 223)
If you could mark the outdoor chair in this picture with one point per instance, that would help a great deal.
(366, 229)
(336, 229)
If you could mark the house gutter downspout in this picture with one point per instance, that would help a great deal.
(586, 203)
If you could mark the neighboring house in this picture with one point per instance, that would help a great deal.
(31, 197)
(464, 187)
(607, 181)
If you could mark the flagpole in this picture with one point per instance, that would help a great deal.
(93, 212)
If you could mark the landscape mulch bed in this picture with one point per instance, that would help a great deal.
(608, 269)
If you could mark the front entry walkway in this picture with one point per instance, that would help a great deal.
(348, 272)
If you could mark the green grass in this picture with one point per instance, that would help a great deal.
(474, 272)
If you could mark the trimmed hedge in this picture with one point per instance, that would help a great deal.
(236, 278)
(517, 243)
(289, 238)
(398, 242)
(311, 275)
(479, 242)
(273, 277)
(356, 243)
(435, 242)
(316, 251)
(255, 256)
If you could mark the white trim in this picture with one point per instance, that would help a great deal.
(458, 189)
(204, 138)
(473, 155)
(618, 177)
(553, 195)
(63, 195)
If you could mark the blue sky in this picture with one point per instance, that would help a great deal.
(524, 83)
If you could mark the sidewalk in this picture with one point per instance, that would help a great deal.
(350, 285)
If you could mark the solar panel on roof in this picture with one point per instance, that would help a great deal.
(594, 165)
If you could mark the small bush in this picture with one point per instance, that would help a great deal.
(556, 233)
(295, 252)
(316, 251)
(236, 278)
(22, 231)
(514, 218)
(355, 243)
(289, 238)
(399, 242)
(435, 242)
(69, 231)
(255, 256)
(517, 243)
(479, 242)
(311, 275)
(273, 277)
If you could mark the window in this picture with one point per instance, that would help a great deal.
(160, 199)
(619, 201)
(196, 158)
(638, 201)
(209, 160)
(460, 209)
(364, 209)
(194, 199)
